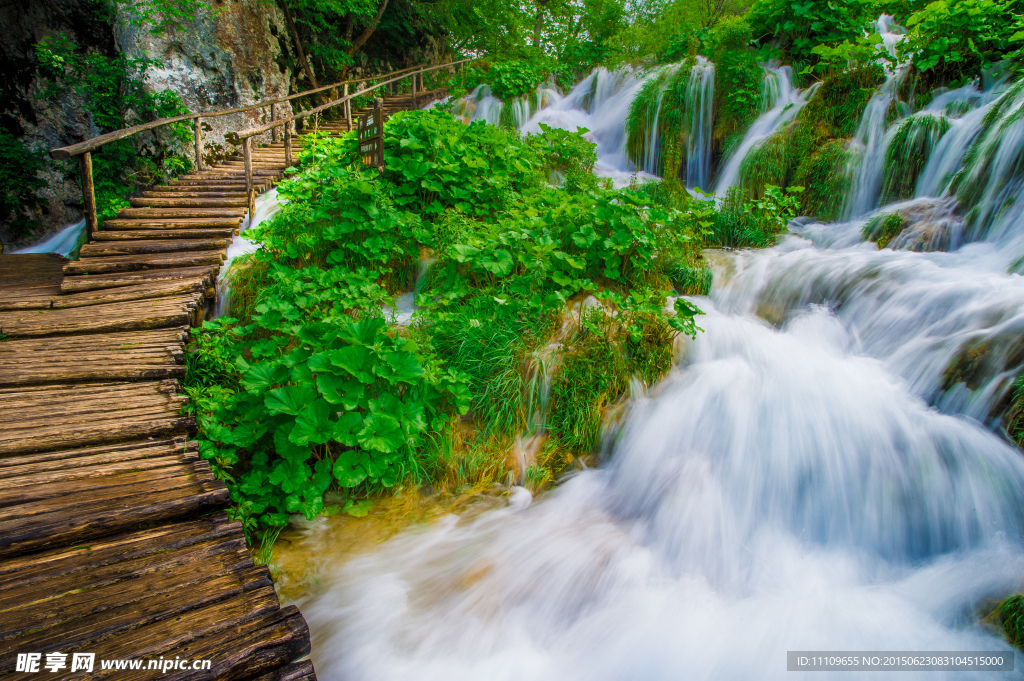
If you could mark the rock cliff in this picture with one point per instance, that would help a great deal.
(230, 54)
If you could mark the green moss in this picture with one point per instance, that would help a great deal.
(597, 363)
(770, 163)
(1015, 416)
(976, 179)
(908, 154)
(1009, 615)
(823, 173)
(692, 278)
(882, 229)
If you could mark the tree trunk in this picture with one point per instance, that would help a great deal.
(365, 35)
(298, 44)
(541, 8)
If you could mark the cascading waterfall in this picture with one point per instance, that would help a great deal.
(820, 473)
(600, 103)
(870, 143)
(266, 206)
(65, 242)
(700, 99)
(781, 102)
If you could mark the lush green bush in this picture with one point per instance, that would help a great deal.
(740, 222)
(798, 26)
(738, 80)
(312, 392)
(954, 40)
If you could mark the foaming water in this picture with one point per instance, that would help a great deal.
(823, 471)
(65, 242)
(600, 104)
(267, 206)
(784, 492)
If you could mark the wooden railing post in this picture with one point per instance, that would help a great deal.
(198, 134)
(348, 109)
(247, 155)
(273, 117)
(88, 196)
(414, 89)
(288, 143)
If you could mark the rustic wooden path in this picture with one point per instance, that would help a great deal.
(113, 537)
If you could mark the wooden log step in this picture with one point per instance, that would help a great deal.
(180, 202)
(147, 213)
(151, 313)
(136, 292)
(113, 341)
(206, 189)
(13, 466)
(197, 193)
(104, 511)
(132, 263)
(41, 439)
(172, 223)
(89, 369)
(117, 555)
(127, 235)
(104, 399)
(128, 247)
(95, 282)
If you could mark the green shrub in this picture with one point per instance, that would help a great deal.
(1010, 616)
(326, 396)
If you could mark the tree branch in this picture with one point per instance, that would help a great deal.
(369, 30)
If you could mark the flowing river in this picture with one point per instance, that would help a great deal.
(824, 470)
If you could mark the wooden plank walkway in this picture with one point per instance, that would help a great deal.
(113, 538)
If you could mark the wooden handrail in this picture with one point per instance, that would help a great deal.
(245, 134)
(83, 150)
(70, 151)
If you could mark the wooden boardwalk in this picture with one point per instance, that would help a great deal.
(113, 538)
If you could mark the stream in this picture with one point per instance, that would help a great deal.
(822, 471)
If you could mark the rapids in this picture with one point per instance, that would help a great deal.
(823, 470)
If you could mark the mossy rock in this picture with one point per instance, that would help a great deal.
(826, 180)
(1009, 616)
(908, 153)
(882, 229)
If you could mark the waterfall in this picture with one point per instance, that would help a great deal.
(781, 102)
(267, 206)
(870, 142)
(700, 99)
(600, 103)
(480, 105)
(822, 471)
(65, 242)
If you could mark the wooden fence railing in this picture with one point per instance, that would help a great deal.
(83, 150)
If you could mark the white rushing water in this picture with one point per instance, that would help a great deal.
(267, 206)
(810, 478)
(65, 242)
(783, 102)
(600, 104)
